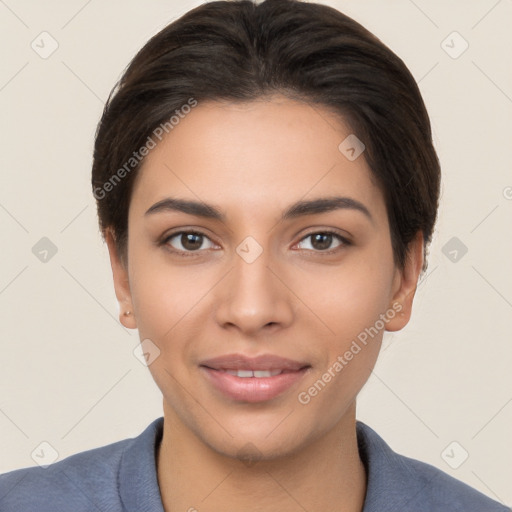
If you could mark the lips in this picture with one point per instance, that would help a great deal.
(265, 362)
(253, 379)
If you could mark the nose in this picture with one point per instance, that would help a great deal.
(253, 297)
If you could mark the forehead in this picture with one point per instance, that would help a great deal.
(268, 152)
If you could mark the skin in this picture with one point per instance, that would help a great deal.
(252, 161)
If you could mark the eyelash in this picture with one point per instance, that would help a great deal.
(343, 242)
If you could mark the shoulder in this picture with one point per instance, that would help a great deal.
(84, 481)
(89, 480)
(443, 492)
(396, 482)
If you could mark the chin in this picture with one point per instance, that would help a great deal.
(251, 452)
(256, 442)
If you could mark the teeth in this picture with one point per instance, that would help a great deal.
(244, 373)
(255, 373)
(266, 373)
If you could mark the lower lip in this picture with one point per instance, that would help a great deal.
(252, 389)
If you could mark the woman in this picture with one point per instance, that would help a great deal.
(267, 187)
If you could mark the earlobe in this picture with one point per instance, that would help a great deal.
(128, 319)
(407, 281)
(121, 283)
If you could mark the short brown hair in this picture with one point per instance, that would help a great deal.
(241, 51)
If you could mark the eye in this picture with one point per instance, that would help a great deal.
(188, 241)
(322, 241)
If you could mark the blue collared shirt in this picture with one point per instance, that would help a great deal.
(121, 477)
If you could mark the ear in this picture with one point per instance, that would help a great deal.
(121, 283)
(405, 284)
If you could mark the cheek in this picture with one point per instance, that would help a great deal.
(345, 299)
(164, 296)
(348, 339)
(170, 306)
(167, 302)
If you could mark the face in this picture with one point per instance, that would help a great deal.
(255, 244)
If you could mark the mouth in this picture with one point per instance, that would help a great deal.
(259, 374)
(255, 379)
(264, 362)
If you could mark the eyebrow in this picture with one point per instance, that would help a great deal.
(298, 209)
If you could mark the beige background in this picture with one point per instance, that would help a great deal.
(68, 375)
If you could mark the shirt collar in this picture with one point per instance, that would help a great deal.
(391, 481)
(138, 483)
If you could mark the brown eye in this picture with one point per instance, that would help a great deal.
(322, 241)
(189, 241)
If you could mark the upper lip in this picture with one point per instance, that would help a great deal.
(261, 362)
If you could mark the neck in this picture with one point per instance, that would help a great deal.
(323, 475)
